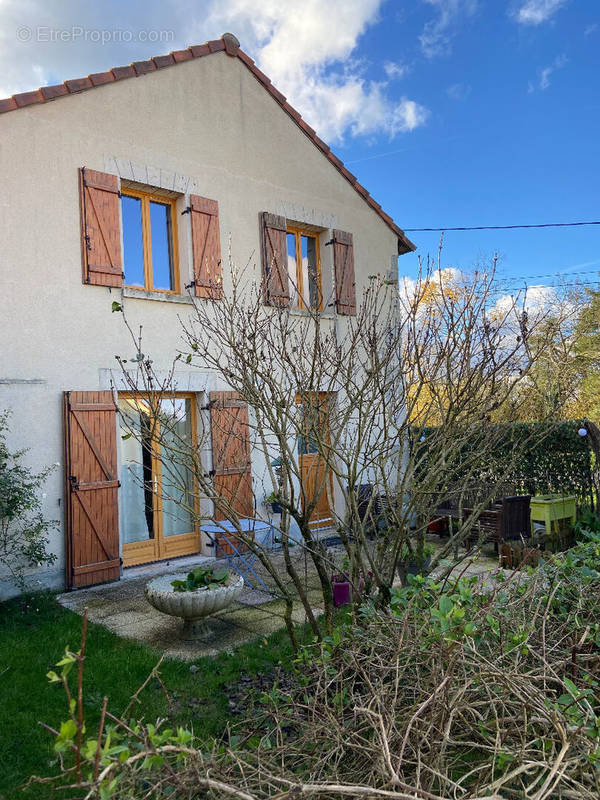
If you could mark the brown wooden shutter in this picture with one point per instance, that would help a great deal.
(230, 436)
(100, 228)
(92, 529)
(343, 262)
(276, 280)
(206, 247)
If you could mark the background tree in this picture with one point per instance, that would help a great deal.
(586, 399)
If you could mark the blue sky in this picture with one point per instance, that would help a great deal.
(451, 112)
(505, 143)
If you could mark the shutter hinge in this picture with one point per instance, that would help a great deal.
(119, 195)
(73, 481)
(212, 473)
(87, 241)
(187, 210)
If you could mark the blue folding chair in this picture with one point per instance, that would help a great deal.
(225, 533)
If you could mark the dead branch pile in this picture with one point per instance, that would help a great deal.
(461, 691)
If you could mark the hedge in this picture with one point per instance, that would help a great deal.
(551, 457)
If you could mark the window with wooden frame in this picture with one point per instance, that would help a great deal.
(158, 494)
(304, 268)
(149, 241)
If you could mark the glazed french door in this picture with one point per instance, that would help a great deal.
(157, 485)
(315, 474)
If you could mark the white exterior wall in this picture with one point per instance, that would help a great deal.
(205, 126)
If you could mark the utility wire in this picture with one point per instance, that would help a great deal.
(502, 227)
(525, 286)
(551, 275)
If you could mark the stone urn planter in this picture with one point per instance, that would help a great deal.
(194, 606)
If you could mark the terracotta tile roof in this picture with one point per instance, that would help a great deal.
(228, 43)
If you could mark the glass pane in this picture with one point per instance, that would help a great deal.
(136, 472)
(133, 247)
(310, 278)
(162, 257)
(311, 420)
(177, 477)
(292, 268)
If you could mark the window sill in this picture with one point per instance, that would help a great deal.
(302, 312)
(163, 297)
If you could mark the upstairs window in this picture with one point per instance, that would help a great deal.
(304, 269)
(149, 241)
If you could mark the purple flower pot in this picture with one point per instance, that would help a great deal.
(341, 592)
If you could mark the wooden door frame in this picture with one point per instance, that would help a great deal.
(160, 547)
(328, 483)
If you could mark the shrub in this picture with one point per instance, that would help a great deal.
(461, 690)
(23, 529)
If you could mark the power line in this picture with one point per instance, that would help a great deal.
(550, 274)
(502, 227)
(524, 286)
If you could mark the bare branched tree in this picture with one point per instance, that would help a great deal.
(338, 409)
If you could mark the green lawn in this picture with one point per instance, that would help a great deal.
(33, 634)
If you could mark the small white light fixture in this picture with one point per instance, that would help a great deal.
(422, 439)
(582, 431)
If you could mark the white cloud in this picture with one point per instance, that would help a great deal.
(536, 301)
(314, 68)
(307, 48)
(436, 39)
(591, 29)
(545, 73)
(395, 71)
(535, 12)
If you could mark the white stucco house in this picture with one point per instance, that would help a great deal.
(127, 183)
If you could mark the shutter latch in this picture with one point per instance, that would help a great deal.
(328, 243)
(187, 210)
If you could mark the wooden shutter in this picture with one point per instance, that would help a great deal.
(230, 437)
(276, 280)
(92, 530)
(206, 247)
(100, 228)
(343, 262)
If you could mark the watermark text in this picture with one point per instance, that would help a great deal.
(78, 33)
